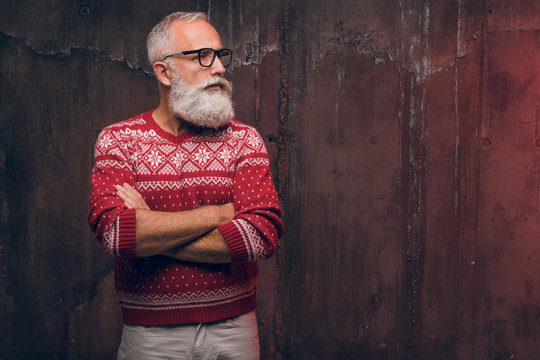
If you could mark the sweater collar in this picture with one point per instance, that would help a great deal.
(152, 124)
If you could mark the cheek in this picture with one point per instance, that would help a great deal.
(193, 73)
(193, 79)
(201, 78)
(197, 77)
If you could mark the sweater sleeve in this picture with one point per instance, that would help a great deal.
(257, 226)
(112, 222)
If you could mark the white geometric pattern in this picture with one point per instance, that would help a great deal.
(253, 141)
(167, 170)
(111, 164)
(104, 142)
(187, 299)
(111, 238)
(201, 156)
(154, 158)
(215, 165)
(182, 184)
(254, 162)
(167, 148)
(252, 240)
(226, 155)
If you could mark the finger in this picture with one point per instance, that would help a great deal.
(121, 193)
(134, 204)
(132, 197)
(126, 193)
(138, 198)
(131, 202)
(130, 205)
(126, 185)
(131, 191)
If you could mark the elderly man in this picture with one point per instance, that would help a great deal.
(182, 197)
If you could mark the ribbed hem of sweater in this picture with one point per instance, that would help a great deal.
(189, 315)
(126, 234)
(234, 241)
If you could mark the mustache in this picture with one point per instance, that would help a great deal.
(217, 80)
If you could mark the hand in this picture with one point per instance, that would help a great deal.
(132, 198)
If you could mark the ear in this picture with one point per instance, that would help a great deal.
(163, 73)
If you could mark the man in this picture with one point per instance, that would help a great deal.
(182, 197)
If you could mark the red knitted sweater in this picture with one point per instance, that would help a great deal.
(174, 173)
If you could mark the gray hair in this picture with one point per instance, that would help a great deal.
(158, 43)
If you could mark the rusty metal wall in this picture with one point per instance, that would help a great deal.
(404, 142)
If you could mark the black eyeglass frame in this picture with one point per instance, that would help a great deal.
(199, 51)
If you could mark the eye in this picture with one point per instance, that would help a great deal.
(207, 54)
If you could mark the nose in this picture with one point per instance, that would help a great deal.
(217, 67)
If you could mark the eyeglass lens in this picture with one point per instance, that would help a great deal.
(207, 56)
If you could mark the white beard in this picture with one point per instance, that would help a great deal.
(201, 106)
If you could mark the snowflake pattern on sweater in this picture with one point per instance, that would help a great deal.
(174, 173)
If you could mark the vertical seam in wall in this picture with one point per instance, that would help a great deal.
(415, 169)
(481, 117)
(257, 62)
(282, 178)
(403, 312)
(458, 276)
(230, 10)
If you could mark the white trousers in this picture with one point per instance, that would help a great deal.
(236, 338)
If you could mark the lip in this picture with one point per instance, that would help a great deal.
(214, 87)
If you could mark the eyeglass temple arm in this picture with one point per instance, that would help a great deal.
(178, 53)
(217, 53)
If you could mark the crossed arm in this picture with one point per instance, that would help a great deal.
(189, 235)
(126, 227)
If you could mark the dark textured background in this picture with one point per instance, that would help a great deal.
(404, 143)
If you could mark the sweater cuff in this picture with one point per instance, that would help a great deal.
(234, 241)
(126, 234)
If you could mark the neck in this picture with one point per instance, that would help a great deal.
(167, 121)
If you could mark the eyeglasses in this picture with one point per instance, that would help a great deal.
(207, 56)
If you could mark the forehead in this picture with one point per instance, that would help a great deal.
(194, 35)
